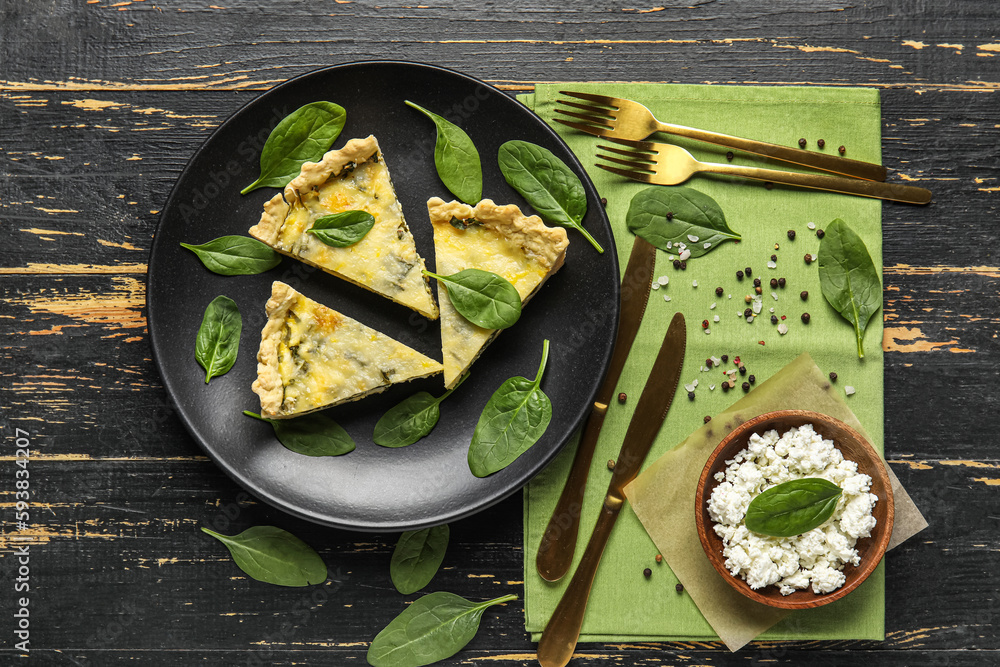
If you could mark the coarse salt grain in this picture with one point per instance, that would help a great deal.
(655, 286)
(712, 307)
(663, 280)
(782, 328)
(694, 283)
(685, 254)
(848, 390)
(692, 238)
(706, 245)
(772, 265)
(774, 295)
(716, 318)
(811, 225)
(666, 297)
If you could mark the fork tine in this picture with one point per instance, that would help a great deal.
(589, 129)
(634, 175)
(627, 163)
(642, 145)
(588, 107)
(600, 99)
(595, 120)
(637, 155)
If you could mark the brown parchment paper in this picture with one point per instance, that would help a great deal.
(663, 499)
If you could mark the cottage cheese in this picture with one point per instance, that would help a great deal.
(816, 558)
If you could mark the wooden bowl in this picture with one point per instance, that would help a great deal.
(853, 447)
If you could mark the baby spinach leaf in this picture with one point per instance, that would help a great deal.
(301, 136)
(410, 420)
(792, 508)
(546, 183)
(513, 420)
(218, 340)
(435, 627)
(456, 159)
(484, 298)
(274, 556)
(312, 435)
(676, 215)
(342, 229)
(235, 255)
(417, 557)
(848, 277)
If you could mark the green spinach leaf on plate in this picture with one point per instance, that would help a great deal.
(312, 435)
(484, 298)
(456, 159)
(344, 229)
(235, 255)
(411, 419)
(218, 341)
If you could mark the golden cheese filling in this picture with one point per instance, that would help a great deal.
(313, 357)
(499, 239)
(385, 260)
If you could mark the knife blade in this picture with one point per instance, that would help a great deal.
(555, 553)
(563, 629)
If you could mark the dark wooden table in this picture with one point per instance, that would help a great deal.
(102, 103)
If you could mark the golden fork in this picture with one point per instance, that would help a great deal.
(665, 164)
(614, 117)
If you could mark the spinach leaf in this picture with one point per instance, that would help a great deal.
(235, 255)
(435, 627)
(848, 277)
(312, 435)
(301, 136)
(342, 229)
(456, 159)
(484, 298)
(676, 215)
(274, 556)
(546, 183)
(410, 420)
(513, 420)
(417, 557)
(792, 508)
(218, 340)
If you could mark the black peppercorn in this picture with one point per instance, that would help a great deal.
(820, 233)
(774, 319)
(684, 265)
(769, 185)
(730, 156)
(803, 295)
(747, 313)
(719, 291)
(622, 397)
(791, 234)
(781, 282)
(842, 149)
(802, 142)
(743, 370)
(611, 464)
(808, 258)
(820, 143)
(739, 275)
(677, 263)
(647, 573)
(604, 201)
(774, 258)
(690, 395)
(670, 215)
(752, 379)
(679, 588)
(833, 377)
(707, 419)
(746, 386)
(725, 358)
(757, 289)
(747, 271)
(725, 386)
(805, 318)
(774, 282)
(756, 282)
(708, 362)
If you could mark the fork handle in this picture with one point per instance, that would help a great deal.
(851, 186)
(821, 161)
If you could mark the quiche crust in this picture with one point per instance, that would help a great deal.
(492, 237)
(352, 178)
(311, 357)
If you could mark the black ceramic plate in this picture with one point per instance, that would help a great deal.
(375, 488)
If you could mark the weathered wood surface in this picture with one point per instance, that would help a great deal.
(101, 105)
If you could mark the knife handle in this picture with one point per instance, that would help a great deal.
(560, 636)
(555, 553)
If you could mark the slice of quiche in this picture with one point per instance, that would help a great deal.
(312, 357)
(494, 238)
(355, 177)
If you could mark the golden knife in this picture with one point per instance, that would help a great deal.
(555, 553)
(563, 630)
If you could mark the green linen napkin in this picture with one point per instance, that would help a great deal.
(624, 605)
